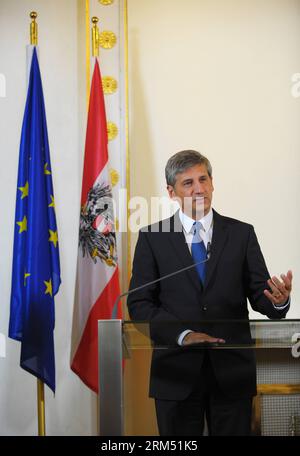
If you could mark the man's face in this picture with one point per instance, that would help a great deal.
(193, 189)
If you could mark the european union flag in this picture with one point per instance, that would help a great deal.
(36, 270)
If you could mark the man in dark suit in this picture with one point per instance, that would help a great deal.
(202, 306)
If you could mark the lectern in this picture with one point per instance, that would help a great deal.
(276, 408)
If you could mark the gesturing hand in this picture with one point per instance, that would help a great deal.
(280, 289)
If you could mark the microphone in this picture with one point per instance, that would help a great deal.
(208, 250)
(126, 293)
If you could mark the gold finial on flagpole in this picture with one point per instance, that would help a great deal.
(95, 37)
(33, 29)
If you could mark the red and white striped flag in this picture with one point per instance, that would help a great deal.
(97, 281)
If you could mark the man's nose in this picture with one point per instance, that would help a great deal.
(198, 188)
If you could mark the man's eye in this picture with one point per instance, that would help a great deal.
(186, 184)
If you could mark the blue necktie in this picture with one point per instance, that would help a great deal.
(199, 251)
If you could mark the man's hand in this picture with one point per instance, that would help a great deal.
(196, 338)
(280, 289)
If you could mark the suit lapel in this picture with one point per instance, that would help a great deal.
(180, 247)
(219, 238)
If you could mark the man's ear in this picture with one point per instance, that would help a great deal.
(171, 191)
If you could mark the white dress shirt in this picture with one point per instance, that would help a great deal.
(206, 227)
(206, 230)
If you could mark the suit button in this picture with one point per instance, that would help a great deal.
(204, 308)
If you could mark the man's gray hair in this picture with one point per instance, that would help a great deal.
(183, 160)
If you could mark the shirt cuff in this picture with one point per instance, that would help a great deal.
(283, 305)
(182, 336)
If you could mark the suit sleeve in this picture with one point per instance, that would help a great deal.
(256, 280)
(144, 305)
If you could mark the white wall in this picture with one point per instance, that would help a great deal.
(72, 411)
(215, 75)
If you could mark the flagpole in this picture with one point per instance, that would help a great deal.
(33, 29)
(41, 408)
(125, 19)
(40, 384)
(95, 53)
(95, 37)
(87, 52)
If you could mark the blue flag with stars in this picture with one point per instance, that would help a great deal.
(36, 270)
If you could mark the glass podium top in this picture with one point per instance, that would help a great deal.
(247, 334)
(124, 387)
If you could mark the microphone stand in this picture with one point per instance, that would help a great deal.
(126, 293)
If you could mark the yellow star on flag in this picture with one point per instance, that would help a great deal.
(25, 277)
(52, 204)
(24, 190)
(46, 171)
(48, 287)
(53, 237)
(22, 224)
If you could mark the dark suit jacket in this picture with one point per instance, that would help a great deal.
(235, 271)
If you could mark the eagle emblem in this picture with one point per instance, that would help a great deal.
(97, 237)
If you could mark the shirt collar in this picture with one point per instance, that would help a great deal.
(188, 222)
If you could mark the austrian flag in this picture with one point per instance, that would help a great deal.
(97, 281)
